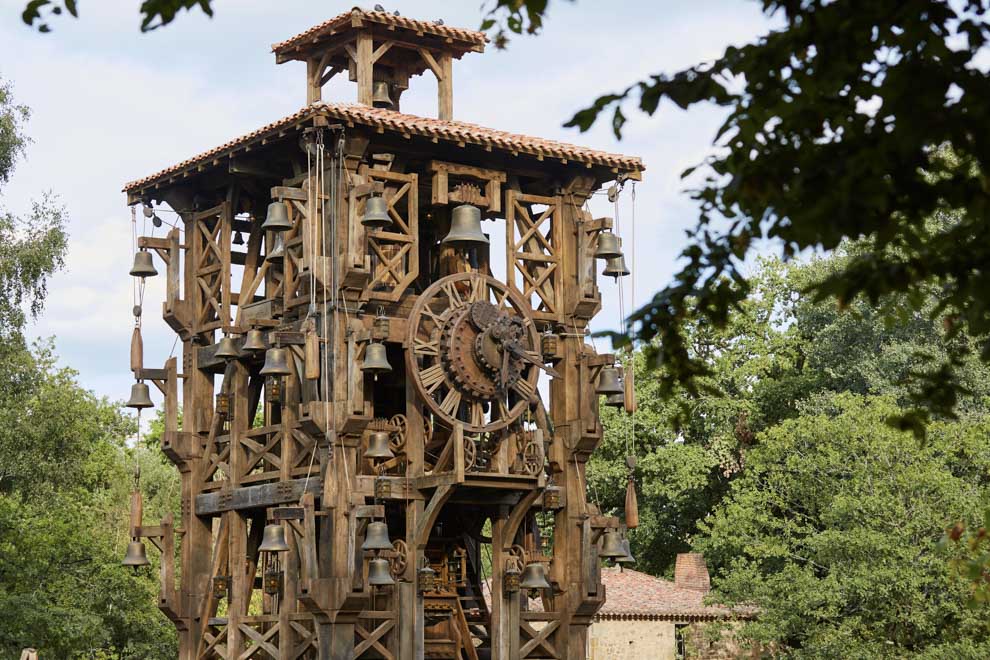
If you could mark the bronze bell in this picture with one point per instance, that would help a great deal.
(378, 573)
(376, 537)
(273, 539)
(534, 576)
(616, 267)
(255, 341)
(465, 228)
(276, 363)
(277, 253)
(628, 558)
(238, 238)
(379, 95)
(608, 381)
(378, 446)
(136, 557)
(376, 213)
(615, 400)
(609, 246)
(140, 397)
(611, 545)
(376, 359)
(277, 218)
(226, 349)
(143, 265)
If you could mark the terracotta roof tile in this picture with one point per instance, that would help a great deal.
(384, 18)
(388, 120)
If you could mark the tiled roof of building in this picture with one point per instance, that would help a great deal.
(458, 132)
(346, 19)
(631, 594)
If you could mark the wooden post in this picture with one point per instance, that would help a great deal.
(445, 88)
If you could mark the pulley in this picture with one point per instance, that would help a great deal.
(616, 267)
(609, 246)
(273, 539)
(276, 363)
(136, 556)
(378, 446)
(226, 350)
(378, 573)
(143, 265)
(376, 213)
(534, 576)
(376, 537)
(277, 252)
(379, 95)
(140, 397)
(255, 341)
(375, 359)
(277, 218)
(608, 381)
(465, 228)
(611, 545)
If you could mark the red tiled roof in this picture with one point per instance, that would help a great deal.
(458, 132)
(384, 18)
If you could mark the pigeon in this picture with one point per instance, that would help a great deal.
(379, 8)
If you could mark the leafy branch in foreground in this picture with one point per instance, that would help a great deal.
(154, 13)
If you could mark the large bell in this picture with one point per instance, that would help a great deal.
(609, 246)
(611, 545)
(273, 539)
(608, 381)
(378, 446)
(276, 363)
(255, 341)
(378, 573)
(534, 576)
(376, 359)
(143, 265)
(616, 267)
(376, 538)
(277, 253)
(379, 95)
(136, 557)
(140, 397)
(226, 350)
(465, 228)
(615, 400)
(277, 218)
(628, 559)
(376, 213)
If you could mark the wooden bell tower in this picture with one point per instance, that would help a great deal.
(382, 444)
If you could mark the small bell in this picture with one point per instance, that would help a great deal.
(611, 545)
(273, 539)
(628, 558)
(378, 446)
(465, 228)
(378, 573)
(255, 341)
(238, 239)
(376, 538)
(616, 267)
(140, 397)
(277, 252)
(273, 582)
(276, 363)
(379, 95)
(376, 359)
(510, 579)
(226, 350)
(148, 211)
(277, 218)
(608, 381)
(376, 213)
(427, 579)
(534, 576)
(136, 556)
(609, 246)
(143, 265)
(615, 401)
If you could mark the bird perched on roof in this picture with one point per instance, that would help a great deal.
(379, 8)
(439, 21)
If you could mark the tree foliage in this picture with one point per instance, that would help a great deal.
(154, 13)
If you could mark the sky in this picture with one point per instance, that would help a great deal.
(110, 105)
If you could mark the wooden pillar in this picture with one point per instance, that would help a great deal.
(445, 88)
(314, 90)
(365, 68)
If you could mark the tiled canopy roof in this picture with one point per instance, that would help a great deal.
(633, 595)
(457, 132)
(472, 37)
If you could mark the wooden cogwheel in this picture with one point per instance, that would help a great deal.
(399, 560)
(473, 352)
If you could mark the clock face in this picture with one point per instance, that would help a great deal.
(472, 352)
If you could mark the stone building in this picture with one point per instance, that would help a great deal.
(645, 617)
